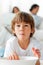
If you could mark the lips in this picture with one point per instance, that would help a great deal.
(21, 34)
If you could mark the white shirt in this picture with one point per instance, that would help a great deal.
(13, 46)
(37, 19)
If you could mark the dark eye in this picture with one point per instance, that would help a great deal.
(26, 25)
(18, 25)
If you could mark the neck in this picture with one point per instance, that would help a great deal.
(24, 43)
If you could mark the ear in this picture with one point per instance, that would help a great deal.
(33, 30)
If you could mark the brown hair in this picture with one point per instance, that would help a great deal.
(34, 6)
(23, 17)
(14, 8)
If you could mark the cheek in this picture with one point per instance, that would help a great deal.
(17, 32)
(28, 32)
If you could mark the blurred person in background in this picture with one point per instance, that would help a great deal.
(34, 9)
(15, 10)
(37, 19)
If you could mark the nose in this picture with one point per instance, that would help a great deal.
(21, 27)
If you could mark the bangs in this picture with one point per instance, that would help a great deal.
(23, 17)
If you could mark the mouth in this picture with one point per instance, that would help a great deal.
(21, 33)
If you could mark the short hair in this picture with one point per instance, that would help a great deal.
(14, 8)
(33, 6)
(23, 17)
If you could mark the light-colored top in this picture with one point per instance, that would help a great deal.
(37, 19)
(13, 46)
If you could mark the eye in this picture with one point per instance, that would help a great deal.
(18, 25)
(26, 25)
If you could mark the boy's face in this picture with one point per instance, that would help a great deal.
(22, 30)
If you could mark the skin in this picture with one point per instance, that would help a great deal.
(36, 52)
(23, 32)
(14, 56)
(16, 10)
(35, 10)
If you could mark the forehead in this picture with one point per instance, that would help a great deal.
(23, 22)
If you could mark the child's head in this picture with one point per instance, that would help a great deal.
(15, 10)
(23, 23)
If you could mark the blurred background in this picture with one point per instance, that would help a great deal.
(24, 5)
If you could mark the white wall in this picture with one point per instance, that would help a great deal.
(4, 6)
(24, 5)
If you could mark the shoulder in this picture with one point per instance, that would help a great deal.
(33, 39)
(35, 42)
(12, 40)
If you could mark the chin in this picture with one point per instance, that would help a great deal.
(21, 39)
